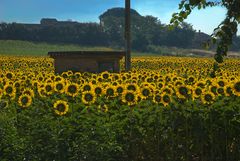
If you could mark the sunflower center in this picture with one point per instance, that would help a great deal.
(191, 79)
(208, 97)
(198, 91)
(59, 86)
(9, 90)
(86, 88)
(110, 92)
(237, 86)
(183, 91)
(131, 87)
(129, 97)
(72, 89)
(119, 89)
(157, 98)
(9, 75)
(88, 97)
(105, 76)
(24, 100)
(221, 83)
(220, 90)
(61, 107)
(166, 99)
(98, 90)
(146, 92)
(48, 88)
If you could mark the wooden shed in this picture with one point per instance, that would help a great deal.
(87, 61)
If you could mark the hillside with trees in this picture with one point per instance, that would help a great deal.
(148, 32)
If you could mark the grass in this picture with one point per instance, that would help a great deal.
(25, 48)
(20, 48)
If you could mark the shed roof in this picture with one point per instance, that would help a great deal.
(92, 54)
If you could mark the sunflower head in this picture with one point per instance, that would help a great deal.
(129, 97)
(3, 104)
(146, 92)
(10, 90)
(110, 91)
(61, 107)
(183, 91)
(88, 97)
(72, 89)
(9, 75)
(48, 87)
(157, 98)
(29, 92)
(25, 100)
(119, 89)
(98, 90)
(166, 99)
(236, 88)
(207, 97)
(228, 90)
(59, 86)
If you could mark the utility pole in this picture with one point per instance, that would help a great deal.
(128, 35)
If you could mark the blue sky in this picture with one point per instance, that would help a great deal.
(31, 11)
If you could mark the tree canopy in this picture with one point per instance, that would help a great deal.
(225, 33)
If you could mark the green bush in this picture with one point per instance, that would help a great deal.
(147, 132)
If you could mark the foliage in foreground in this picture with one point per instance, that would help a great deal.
(167, 108)
(150, 132)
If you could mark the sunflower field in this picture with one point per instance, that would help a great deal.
(165, 109)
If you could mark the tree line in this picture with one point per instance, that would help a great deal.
(147, 32)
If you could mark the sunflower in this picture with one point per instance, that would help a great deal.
(3, 104)
(105, 75)
(221, 82)
(182, 91)
(61, 107)
(103, 107)
(59, 86)
(167, 89)
(166, 99)
(157, 98)
(132, 87)
(236, 88)
(9, 75)
(72, 89)
(110, 91)
(145, 92)
(191, 79)
(200, 84)
(88, 97)
(120, 89)
(160, 85)
(196, 92)
(87, 86)
(58, 78)
(9, 90)
(97, 90)
(29, 92)
(221, 90)
(207, 97)
(48, 87)
(129, 97)
(25, 100)
(228, 90)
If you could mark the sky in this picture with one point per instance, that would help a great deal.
(32, 11)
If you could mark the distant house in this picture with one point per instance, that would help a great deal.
(48, 21)
(87, 61)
